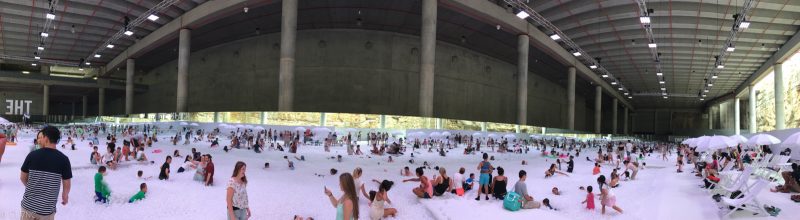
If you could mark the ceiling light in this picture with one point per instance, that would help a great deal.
(33, 64)
(626, 93)
(37, 57)
(613, 82)
(555, 37)
(644, 19)
(659, 74)
(664, 94)
(40, 48)
(87, 63)
(577, 54)
(605, 75)
(705, 90)
(50, 16)
(730, 48)
(665, 97)
(129, 33)
(714, 76)
(661, 82)
(25, 72)
(593, 66)
(652, 45)
(720, 66)
(521, 15)
(80, 69)
(744, 24)
(710, 85)
(663, 89)
(630, 97)
(704, 95)
(97, 56)
(152, 17)
(620, 89)
(44, 34)
(110, 46)
(701, 99)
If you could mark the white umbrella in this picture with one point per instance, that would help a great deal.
(763, 139)
(739, 139)
(194, 124)
(793, 141)
(510, 137)
(717, 142)
(435, 135)
(259, 128)
(446, 133)
(477, 134)
(239, 126)
(183, 123)
(697, 141)
(494, 136)
(222, 125)
(687, 141)
(299, 129)
(398, 133)
(321, 130)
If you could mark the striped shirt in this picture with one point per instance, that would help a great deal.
(46, 167)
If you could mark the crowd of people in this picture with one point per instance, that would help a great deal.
(48, 170)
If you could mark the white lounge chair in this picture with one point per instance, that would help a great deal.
(738, 184)
(748, 202)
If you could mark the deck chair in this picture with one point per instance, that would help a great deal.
(737, 184)
(748, 202)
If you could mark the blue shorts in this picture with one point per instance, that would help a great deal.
(484, 179)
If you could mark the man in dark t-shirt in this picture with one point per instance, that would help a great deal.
(209, 171)
(164, 174)
(43, 172)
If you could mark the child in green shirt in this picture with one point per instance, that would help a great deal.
(140, 195)
(101, 190)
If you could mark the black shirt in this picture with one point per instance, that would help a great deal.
(46, 168)
(163, 174)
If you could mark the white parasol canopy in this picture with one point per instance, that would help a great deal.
(763, 139)
(739, 139)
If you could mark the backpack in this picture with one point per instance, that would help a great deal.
(512, 202)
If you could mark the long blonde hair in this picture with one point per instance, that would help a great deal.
(349, 187)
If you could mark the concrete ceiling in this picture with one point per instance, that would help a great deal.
(689, 34)
(605, 28)
(80, 26)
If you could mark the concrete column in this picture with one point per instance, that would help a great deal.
(737, 121)
(751, 113)
(438, 123)
(614, 116)
(516, 129)
(184, 42)
(711, 118)
(73, 110)
(101, 101)
(46, 99)
(129, 69)
(427, 57)
(523, 42)
(322, 119)
(571, 98)
(85, 102)
(264, 118)
(483, 126)
(383, 121)
(625, 121)
(286, 69)
(780, 118)
(598, 101)
(216, 117)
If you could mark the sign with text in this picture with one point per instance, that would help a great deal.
(18, 107)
